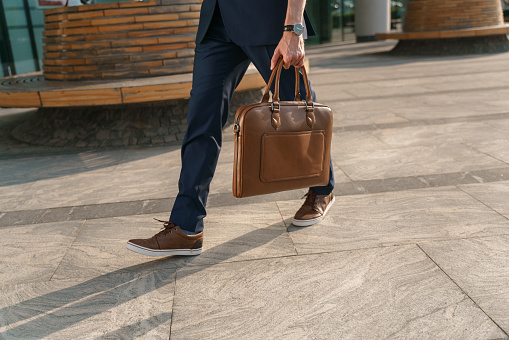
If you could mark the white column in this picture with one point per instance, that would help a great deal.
(371, 17)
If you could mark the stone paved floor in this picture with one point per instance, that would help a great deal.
(416, 246)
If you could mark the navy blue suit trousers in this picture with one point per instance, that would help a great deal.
(219, 66)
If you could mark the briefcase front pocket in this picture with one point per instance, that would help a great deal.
(292, 155)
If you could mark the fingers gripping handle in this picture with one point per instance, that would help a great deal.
(276, 74)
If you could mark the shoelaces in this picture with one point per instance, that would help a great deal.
(167, 227)
(311, 200)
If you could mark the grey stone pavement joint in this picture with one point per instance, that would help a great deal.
(425, 94)
(160, 206)
(422, 122)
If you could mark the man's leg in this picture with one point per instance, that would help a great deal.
(218, 69)
(219, 66)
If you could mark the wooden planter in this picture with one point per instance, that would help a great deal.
(120, 40)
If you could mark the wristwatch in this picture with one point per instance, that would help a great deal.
(296, 28)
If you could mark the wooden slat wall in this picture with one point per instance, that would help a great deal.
(120, 40)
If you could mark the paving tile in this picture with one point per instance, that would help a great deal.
(472, 133)
(367, 111)
(496, 147)
(255, 231)
(21, 170)
(380, 89)
(32, 253)
(391, 218)
(137, 304)
(387, 293)
(494, 195)
(501, 124)
(65, 191)
(99, 248)
(250, 232)
(98, 188)
(327, 93)
(167, 157)
(411, 161)
(474, 108)
(480, 266)
(9, 195)
(351, 142)
(475, 81)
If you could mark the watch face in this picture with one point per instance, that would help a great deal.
(298, 29)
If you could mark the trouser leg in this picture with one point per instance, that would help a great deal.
(261, 57)
(218, 68)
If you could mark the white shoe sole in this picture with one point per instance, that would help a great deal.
(307, 223)
(157, 252)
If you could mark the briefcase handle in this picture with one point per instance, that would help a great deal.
(278, 68)
(276, 73)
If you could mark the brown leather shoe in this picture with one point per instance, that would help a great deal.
(171, 240)
(314, 209)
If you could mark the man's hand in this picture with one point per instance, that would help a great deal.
(291, 47)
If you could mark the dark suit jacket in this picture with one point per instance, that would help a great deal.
(249, 22)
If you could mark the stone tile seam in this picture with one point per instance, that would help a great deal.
(286, 227)
(429, 92)
(475, 198)
(173, 302)
(343, 171)
(325, 252)
(363, 187)
(67, 250)
(422, 122)
(396, 79)
(466, 238)
(192, 266)
(207, 265)
(471, 147)
(462, 290)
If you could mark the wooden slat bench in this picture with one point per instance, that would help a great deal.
(32, 90)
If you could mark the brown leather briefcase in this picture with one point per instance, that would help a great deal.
(281, 145)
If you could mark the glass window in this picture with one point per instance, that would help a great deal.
(1, 68)
(19, 36)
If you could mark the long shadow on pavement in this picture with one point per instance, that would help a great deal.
(58, 310)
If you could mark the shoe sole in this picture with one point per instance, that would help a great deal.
(157, 252)
(307, 223)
